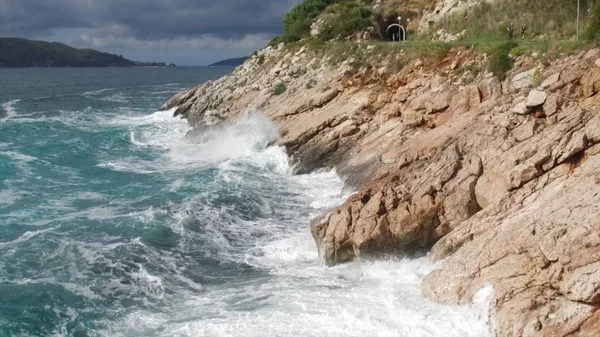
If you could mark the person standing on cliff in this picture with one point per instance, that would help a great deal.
(523, 32)
(511, 31)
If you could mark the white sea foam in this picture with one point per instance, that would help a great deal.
(24, 237)
(9, 197)
(9, 110)
(300, 296)
(245, 137)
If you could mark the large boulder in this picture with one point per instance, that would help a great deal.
(401, 212)
(535, 98)
(543, 260)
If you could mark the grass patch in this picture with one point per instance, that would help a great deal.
(550, 19)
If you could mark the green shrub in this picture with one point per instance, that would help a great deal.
(261, 59)
(517, 51)
(499, 61)
(341, 17)
(346, 18)
(296, 23)
(592, 28)
(279, 89)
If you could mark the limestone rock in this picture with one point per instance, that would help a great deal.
(535, 98)
(590, 82)
(490, 88)
(523, 80)
(525, 131)
(552, 104)
(397, 214)
(550, 81)
(521, 109)
(542, 260)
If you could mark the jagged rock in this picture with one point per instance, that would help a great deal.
(541, 260)
(552, 105)
(395, 214)
(521, 109)
(501, 197)
(535, 98)
(590, 82)
(525, 131)
(401, 95)
(577, 143)
(550, 81)
(412, 117)
(473, 95)
(490, 88)
(523, 80)
(591, 53)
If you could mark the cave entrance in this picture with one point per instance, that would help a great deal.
(396, 32)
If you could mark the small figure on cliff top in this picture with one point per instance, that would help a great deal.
(523, 32)
(511, 31)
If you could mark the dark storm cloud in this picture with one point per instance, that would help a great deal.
(179, 29)
(146, 19)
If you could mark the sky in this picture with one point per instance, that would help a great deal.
(184, 32)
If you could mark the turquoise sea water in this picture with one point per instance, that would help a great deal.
(112, 223)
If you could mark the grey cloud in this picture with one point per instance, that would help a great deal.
(150, 19)
(201, 29)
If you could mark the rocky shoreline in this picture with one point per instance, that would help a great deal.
(499, 178)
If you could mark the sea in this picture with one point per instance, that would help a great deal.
(114, 223)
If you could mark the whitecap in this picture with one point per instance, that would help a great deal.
(9, 197)
(25, 237)
(17, 156)
(9, 110)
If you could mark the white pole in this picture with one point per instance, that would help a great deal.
(578, 2)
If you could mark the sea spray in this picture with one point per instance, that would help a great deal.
(113, 223)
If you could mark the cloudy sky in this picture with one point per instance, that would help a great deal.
(185, 32)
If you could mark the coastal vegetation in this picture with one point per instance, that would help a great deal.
(279, 89)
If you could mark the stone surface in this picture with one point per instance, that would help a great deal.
(552, 105)
(505, 198)
(535, 98)
(550, 81)
(525, 131)
(523, 80)
(521, 109)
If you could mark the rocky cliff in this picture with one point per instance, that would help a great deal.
(500, 178)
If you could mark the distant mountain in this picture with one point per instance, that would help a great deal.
(22, 53)
(230, 62)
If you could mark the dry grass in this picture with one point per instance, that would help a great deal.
(547, 19)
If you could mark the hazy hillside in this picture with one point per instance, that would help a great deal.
(16, 53)
(233, 62)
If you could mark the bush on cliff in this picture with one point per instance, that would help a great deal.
(340, 18)
(279, 89)
(343, 19)
(296, 23)
(500, 62)
(592, 29)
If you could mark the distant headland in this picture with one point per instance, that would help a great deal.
(23, 53)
